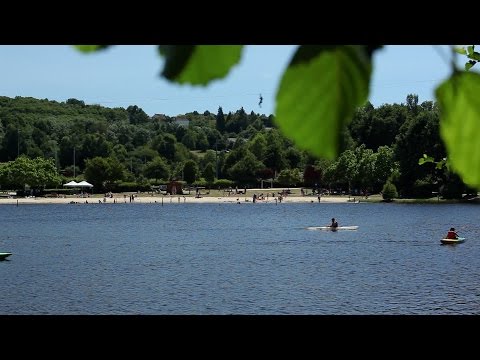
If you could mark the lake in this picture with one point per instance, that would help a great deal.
(239, 259)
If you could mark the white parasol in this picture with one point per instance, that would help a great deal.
(84, 184)
(71, 184)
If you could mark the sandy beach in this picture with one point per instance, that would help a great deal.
(167, 199)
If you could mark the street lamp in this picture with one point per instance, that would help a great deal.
(56, 161)
(74, 162)
(216, 159)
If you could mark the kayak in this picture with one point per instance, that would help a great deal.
(3, 256)
(453, 241)
(332, 228)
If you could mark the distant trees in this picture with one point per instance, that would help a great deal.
(245, 170)
(101, 172)
(190, 171)
(157, 169)
(275, 152)
(37, 173)
(384, 167)
(290, 177)
(380, 144)
(136, 115)
(166, 146)
(75, 102)
(312, 176)
(258, 146)
(209, 173)
(412, 103)
(220, 121)
(377, 127)
(417, 136)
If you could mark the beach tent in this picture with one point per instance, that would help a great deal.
(71, 184)
(84, 184)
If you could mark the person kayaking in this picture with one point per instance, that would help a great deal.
(334, 223)
(452, 234)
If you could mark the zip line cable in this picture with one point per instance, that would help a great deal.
(256, 95)
(177, 98)
(260, 97)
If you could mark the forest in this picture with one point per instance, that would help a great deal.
(45, 143)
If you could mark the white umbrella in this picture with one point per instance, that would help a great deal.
(84, 184)
(71, 184)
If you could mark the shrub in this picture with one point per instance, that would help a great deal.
(129, 187)
(223, 183)
(389, 191)
(201, 183)
(423, 189)
(452, 190)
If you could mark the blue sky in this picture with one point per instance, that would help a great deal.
(129, 75)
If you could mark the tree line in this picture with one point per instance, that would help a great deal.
(117, 148)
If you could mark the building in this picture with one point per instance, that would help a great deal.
(179, 120)
(174, 188)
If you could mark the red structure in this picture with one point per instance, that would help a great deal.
(174, 188)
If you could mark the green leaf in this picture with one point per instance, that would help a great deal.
(372, 48)
(199, 64)
(474, 56)
(318, 95)
(176, 58)
(425, 159)
(90, 48)
(468, 65)
(460, 124)
(461, 50)
(470, 49)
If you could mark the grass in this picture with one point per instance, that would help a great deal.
(376, 198)
(433, 200)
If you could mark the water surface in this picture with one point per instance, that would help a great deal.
(238, 259)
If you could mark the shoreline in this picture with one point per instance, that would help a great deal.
(175, 199)
(211, 199)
